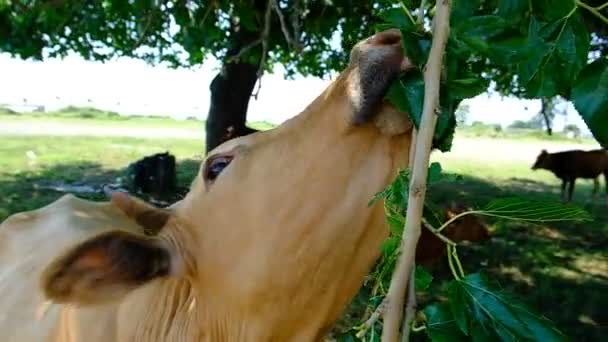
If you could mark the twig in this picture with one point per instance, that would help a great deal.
(245, 49)
(437, 233)
(295, 23)
(372, 319)
(601, 7)
(264, 40)
(410, 308)
(456, 217)
(403, 269)
(421, 12)
(593, 10)
(290, 41)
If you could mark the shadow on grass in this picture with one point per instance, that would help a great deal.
(28, 190)
(559, 269)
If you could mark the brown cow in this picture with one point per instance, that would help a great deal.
(272, 241)
(431, 249)
(573, 164)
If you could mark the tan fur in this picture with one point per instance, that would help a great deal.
(272, 250)
(30, 241)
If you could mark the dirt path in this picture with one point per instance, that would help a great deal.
(40, 127)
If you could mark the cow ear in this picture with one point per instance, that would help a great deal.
(105, 268)
(150, 218)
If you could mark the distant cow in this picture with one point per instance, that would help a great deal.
(570, 165)
(470, 228)
(273, 240)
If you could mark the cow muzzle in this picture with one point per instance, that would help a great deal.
(375, 63)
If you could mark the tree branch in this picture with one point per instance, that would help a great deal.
(245, 49)
(403, 269)
(264, 39)
(437, 233)
(290, 41)
(410, 308)
(372, 319)
(593, 10)
(421, 13)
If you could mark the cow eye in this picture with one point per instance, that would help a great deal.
(215, 166)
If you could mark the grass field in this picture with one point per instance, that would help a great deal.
(560, 269)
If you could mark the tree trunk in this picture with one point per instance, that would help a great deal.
(230, 93)
(545, 109)
(232, 87)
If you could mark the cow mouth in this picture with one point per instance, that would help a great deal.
(377, 62)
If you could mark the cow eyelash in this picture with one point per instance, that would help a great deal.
(215, 165)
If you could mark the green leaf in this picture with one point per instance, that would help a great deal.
(396, 222)
(422, 278)
(572, 47)
(481, 26)
(542, 84)
(395, 96)
(557, 51)
(407, 94)
(347, 337)
(535, 52)
(508, 50)
(468, 87)
(551, 10)
(398, 19)
(390, 245)
(440, 324)
(416, 47)
(487, 311)
(512, 9)
(434, 173)
(462, 10)
(590, 99)
(458, 306)
(516, 208)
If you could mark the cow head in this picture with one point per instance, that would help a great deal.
(465, 228)
(276, 224)
(542, 161)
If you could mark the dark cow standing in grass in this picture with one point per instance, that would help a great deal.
(570, 165)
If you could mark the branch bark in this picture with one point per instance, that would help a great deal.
(403, 270)
(410, 308)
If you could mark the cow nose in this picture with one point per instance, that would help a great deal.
(389, 44)
(390, 37)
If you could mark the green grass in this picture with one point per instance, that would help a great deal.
(77, 159)
(561, 270)
(93, 117)
(482, 130)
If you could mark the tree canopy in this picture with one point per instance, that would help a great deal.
(530, 49)
(183, 33)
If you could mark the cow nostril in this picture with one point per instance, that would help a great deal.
(390, 37)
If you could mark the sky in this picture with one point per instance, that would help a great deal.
(131, 86)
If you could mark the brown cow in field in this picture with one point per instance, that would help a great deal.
(272, 241)
(573, 164)
(431, 250)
